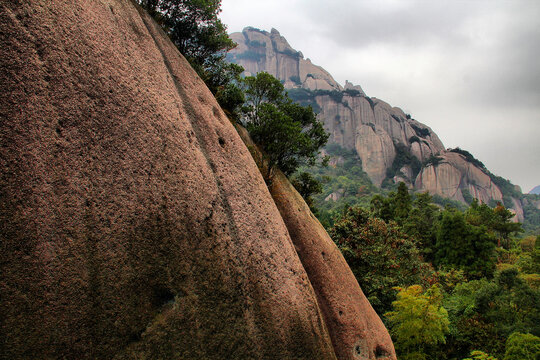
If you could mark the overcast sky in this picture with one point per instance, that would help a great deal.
(468, 69)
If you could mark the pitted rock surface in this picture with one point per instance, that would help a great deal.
(357, 331)
(134, 222)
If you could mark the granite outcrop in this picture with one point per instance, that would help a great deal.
(381, 135)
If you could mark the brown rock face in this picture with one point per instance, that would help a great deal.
(357, 331)
(373, 128)
(134, 223)
(260, 50)
(453, 175)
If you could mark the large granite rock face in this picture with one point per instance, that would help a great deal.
(356, 330)
(374, 129)
(134, 222)
(260, 50)
(453, 175)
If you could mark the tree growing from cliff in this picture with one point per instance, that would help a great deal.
(289, 134)
(307, 186)
(198, 33)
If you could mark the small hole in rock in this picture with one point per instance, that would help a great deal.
(135, 336)
(340, 312)
(221, 141)
(358, 350)
(162, 296)
(380, 352)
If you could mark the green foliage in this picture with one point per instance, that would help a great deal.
(497, 221)
(421, 224)
(195, 29)
(344, 177)
(469, 157)
(224, 80)
(335, 95)
(418, 320)
(403, 158)
(484, 313)
(307, 186)
(467, 196)
(379, 254)
(304, 97)
(289, 134)
(522, 347)
(250, 55)
(395, 207)
(432, 160)
(480, 355)
(421, 132)
(352, 92)
(464, 246)
(255, 43)
(531, 213)
(295, 79)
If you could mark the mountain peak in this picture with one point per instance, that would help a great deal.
(392, 146)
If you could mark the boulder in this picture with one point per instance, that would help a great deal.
(356, 330)
(134, 222)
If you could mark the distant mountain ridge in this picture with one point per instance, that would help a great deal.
(392, 146)
(535, 190)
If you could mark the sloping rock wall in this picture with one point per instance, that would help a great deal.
(357, 331)
(453, 175)
(134, 223)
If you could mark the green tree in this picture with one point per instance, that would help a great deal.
(421, 224)
(289, 134)
(198, 33)
(396, 206)
(484, 313)
(497, 221)
(522, 347)
(402, 203)
(380, 255)
(462, 245)
(480, 355)
(418, 321)
(307, 186)
(194, 27)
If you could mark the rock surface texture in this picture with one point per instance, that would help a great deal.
(378, 132)
(356, 330)
(134, 222)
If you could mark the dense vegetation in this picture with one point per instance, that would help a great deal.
(343, 183)
(448, 283)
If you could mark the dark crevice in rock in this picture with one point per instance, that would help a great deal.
(162, 296)
(381, 352)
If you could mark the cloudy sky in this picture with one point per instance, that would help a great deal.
(468, 69)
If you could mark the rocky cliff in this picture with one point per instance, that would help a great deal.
(134, 222)
(392, 146)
